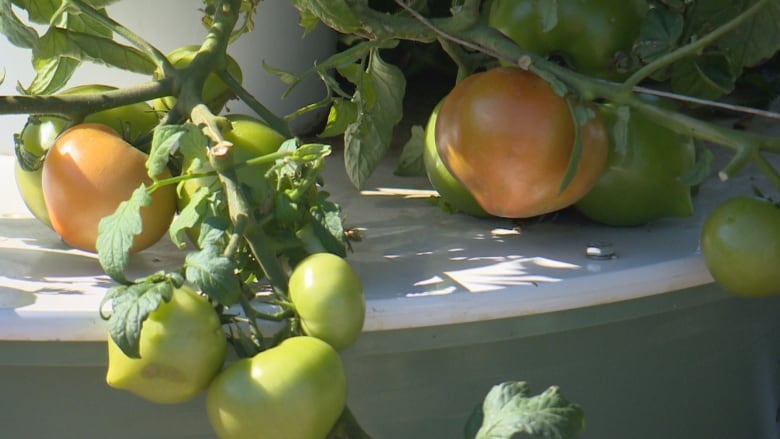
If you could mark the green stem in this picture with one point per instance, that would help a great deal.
(274, 121)
(79, 104)
(693, 47)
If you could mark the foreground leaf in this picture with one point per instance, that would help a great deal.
(130, 306)
(510, 411)
(117, 231)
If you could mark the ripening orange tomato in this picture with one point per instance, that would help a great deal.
(87, 173)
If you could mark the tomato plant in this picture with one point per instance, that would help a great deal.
(328, 298)
(740, 242)
(449, 188)
(643, 179)
(215, 92)
(591, 36)
(182, 347)
(250, 137)
(295, 390)
(508, 137)
(87, 173)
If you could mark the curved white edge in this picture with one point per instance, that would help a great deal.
(586, 291)
(421, 267)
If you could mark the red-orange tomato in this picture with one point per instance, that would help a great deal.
(88, 172)
(508, 137)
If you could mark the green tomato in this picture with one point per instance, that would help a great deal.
(215, 92)
(130, 121)
(39, 133)
(589, 35)
(642, 180)
(740, 242)
(183, 346)
(328, 297)
(451, 191)
(295, 390)
(37, 136)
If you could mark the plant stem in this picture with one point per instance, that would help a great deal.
(79, 104)
(274, 121)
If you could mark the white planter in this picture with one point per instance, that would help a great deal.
(277, 39)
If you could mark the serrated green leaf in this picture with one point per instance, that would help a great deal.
(130, 306)
(214, 274)
(327, 226)
(707, 76)
(336, 14)
(189, 216)
(510, 411)
(14, 29)
(43, 11)
(166, 140)
(659, 33)
(51, 75)
(379, 97)
(411, 163)
(117, 231)
(59, 42)
(342, 113)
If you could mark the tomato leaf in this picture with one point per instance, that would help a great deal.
(342, 113)
(130, 306)
(411, 162)
(214, 274)
(379, 96)
(336, 14)
(707, 76)
(659, 33)
(43, 11)
(18, 33)
(189, 216)
(89, 47)
(712, 74)
(166, 140)
(327, 225)
(117, 231)
(509, 410)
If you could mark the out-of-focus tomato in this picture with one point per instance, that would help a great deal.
(451, 191)
(88, 172)
(589, 35)
(295, 390)
(740, 242)
(182, 348)
(642, 181)
(328, 297)
(508, 137)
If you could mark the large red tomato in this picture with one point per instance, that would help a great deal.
(508, 137)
